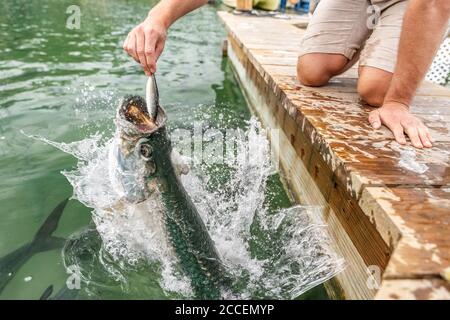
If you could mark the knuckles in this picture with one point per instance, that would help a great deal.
(412, 123)
(147, 32)
(152, 32)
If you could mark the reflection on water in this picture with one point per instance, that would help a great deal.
(63, 84)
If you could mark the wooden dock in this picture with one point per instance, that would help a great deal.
(387, 205)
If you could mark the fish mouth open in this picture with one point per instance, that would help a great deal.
(133, 111)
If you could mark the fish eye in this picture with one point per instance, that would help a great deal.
(145, 150)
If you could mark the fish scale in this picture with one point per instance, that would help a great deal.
(193, 245)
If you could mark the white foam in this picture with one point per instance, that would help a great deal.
(408, 160)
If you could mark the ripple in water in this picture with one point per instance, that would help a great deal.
(271, 255)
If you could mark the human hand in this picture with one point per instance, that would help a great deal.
(399, 120)
(145, 43)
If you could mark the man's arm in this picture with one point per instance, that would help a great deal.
(424, 25)
(145, 42)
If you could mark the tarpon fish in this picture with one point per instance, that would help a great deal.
(142, 162)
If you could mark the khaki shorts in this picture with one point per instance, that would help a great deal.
(368, 28)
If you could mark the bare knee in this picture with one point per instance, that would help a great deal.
(371, 94)
(311, 75)
(373, 85)
(316, 69)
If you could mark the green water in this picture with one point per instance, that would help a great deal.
(63, 84)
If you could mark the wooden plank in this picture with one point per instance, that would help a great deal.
(337, 112)
(327, 146)
(299, 21)
(422, 218)
(414, 289)
(390, 164)
(295, 156)
(431, 89)
(365, 236)
(268, 57)
(354, 278)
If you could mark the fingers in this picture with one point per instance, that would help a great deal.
(397, 130)
(127, 45)
(374, 119)
(130, 46)
(400, 121)
(430, 138)
(150, 50)
(413, 134)
(425, 136)
(145, 44)
(159, 49)
(140, 45)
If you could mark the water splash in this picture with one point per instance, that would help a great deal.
(272, 255)
(281, 254)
